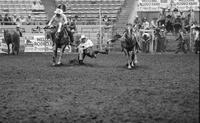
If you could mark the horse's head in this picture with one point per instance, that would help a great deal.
(129, 32)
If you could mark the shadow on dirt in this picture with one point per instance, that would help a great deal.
(137, 67)
(75, 63)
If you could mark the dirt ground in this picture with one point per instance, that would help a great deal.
(161, 89)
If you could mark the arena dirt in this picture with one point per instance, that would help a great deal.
(161, 89)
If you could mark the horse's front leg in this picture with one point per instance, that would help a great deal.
(128, 58)
(54, 54)
(61, 54)
(8, 49)
(135, 56)
(132, 58)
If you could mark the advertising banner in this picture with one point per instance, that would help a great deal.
(148, 5)
(156, 5)
(185, 5)
(3, 46)
(37, 44)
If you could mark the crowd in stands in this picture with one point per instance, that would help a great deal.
(15, 20)
(167, 18)
(21, 19)
(174, 21)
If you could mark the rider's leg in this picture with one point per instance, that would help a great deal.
(59, 27)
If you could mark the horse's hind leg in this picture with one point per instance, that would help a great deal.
(13, 49)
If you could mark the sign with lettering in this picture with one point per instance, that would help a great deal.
(38, 44)
(156, 5)
(148, 5)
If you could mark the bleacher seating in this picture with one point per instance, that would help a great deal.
(22, 8)
(88, 10)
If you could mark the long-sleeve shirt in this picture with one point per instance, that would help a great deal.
(86, 45)
(55, 20)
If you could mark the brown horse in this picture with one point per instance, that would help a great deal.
(129, 46)
(60, 40)
(12, 37)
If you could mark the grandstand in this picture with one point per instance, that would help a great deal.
(23, 8)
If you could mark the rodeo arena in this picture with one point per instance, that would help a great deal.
(99, 61)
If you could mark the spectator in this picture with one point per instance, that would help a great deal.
(192, 18)
(137, 21)
(146, 24)
(153, 23)
(182, 15)
(72, 25)
(106, 20)
(161, 19)
(18, 22)
(29, 20)
(7, 20)
(181, 42)
(176, 13)
(168, 13)
(23, 20)
(1, 19)
(14, 18)
(169, 21)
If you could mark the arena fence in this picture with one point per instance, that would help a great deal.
(33, 39)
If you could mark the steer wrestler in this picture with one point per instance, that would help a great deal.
(85, 48)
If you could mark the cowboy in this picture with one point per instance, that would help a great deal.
(18, 30)
(146, 24)
(196, 34)
(162, 39)
(161, 19)
(181, 42)
(59, 19)
(146, 39)
(84, 46)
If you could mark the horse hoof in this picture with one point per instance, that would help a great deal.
(60, 63)
(129, 67)
(54, 64)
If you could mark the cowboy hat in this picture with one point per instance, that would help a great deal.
(58, 11)
(175, 10)
(82, 37)
(193, 26)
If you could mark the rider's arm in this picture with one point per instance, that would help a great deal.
(65, 19)
(50, 22)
